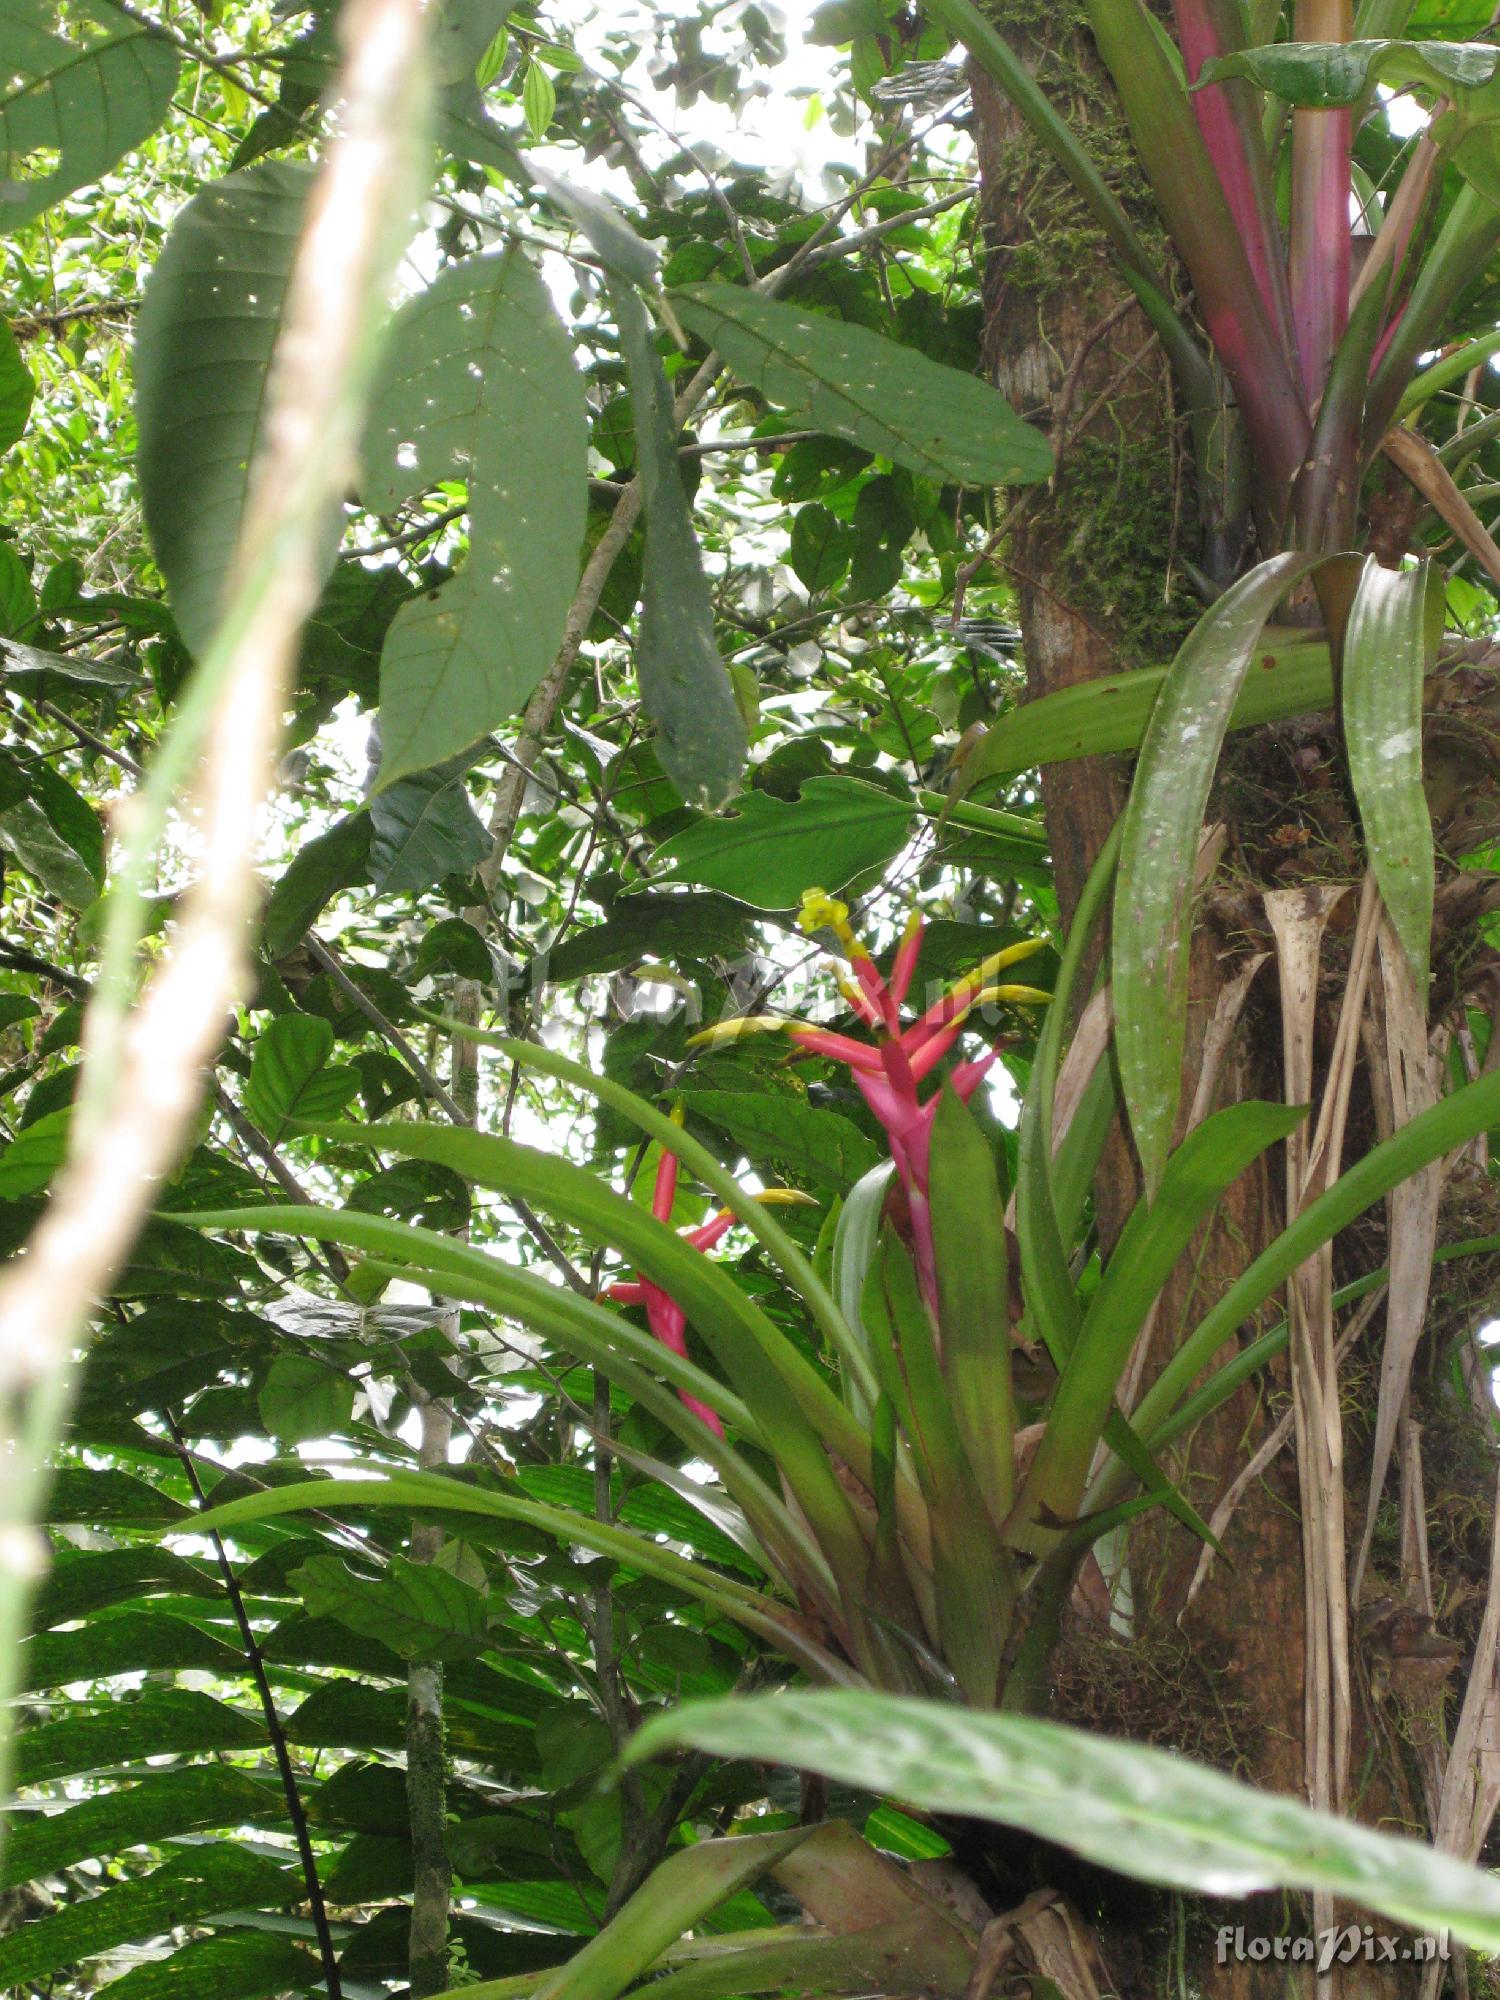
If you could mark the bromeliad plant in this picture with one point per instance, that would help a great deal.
(925, 1519)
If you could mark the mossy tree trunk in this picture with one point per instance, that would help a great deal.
(1100, 564)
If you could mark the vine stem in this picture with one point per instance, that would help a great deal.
(145, 1057)
(296, 1813)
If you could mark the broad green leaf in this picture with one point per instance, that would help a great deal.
(1139, 1811)
(423, 828)
(1316, 75)
(479, 385)
(304, 1398)
(124, 1644)
(290, 1076)
(317, 871)
(1390, 644)
(1163, 822)
(824, 1145)
(16, 389)
(34, 1155)
(1098, 716)
(241, 1965)
(773, 849)
(188, 1887)
(684, 686)
(419, 1610)
(822, 546)
(642, 926)
(855, 384)
(538, 100)
(680, 1892)
(69, 109)
(29, 664)
(171, 1719)
(163, 1805)
(53, 833)
(204, 338)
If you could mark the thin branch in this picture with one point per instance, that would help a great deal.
(256, 1662)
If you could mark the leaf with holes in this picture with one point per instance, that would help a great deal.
(479, 385)
(70, 109)
(204, 339)
(856, 384)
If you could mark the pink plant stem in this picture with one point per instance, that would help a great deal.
(1320, 233)
(1224, 132)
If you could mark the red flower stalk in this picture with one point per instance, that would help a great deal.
(665, 1317)
(888, 1069)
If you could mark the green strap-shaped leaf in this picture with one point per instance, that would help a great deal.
(70, 109)
(1209, 1160)
(437, 1493)
(1163, 820)
(1150, 1814)
(1094, 717)
(968, 1234)
(1390, 645)
(192, 1885)
(676, 1897)
(204, 339)
(856, 384)
(479, 385)
(684, 686)
(124, 1644)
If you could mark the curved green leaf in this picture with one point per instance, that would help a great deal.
(1163, 821)
(478, 384)
(1157, 1816)
(823, 1145)
(70, 109)
(855, 384)
(433, 1492)
(240, 1965)
(679, 1894)
(424, 828)
(1390, 644)
(1112, 713)
(773, 849)
(171, 1719)
(204, 339)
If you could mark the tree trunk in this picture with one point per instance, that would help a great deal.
(1099, 561)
